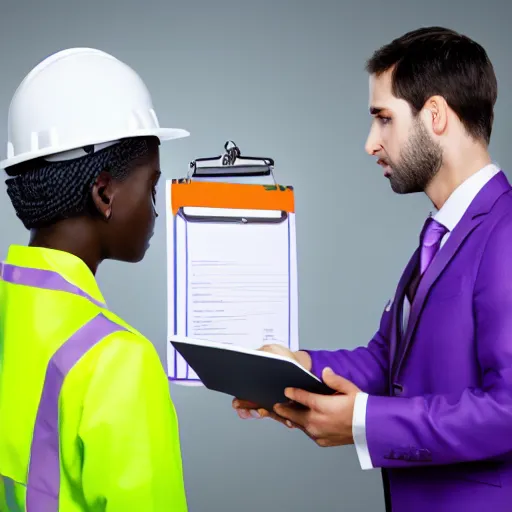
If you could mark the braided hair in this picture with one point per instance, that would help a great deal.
(46, 192)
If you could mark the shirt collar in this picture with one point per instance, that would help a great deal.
(70, 267)
(460, 199)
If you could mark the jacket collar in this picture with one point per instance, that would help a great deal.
(70, 267)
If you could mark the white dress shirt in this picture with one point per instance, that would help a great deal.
(449, 215)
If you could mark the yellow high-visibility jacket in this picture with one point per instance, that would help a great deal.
(86, 418)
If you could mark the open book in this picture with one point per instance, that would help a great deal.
(254, 375)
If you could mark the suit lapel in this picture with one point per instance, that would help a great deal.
(474, 215)
(397, 310)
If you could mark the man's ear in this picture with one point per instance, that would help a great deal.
(103, 194)
(436, 114)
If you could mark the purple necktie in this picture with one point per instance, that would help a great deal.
(430, 239)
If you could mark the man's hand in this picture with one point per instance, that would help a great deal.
(246, 409)
(327, 419)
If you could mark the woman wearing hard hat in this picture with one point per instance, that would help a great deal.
(86, 418)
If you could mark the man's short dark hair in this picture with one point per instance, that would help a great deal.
(438, 61)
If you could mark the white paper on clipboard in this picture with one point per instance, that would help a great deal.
(232, 271)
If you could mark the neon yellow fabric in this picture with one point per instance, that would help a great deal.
(119, 437)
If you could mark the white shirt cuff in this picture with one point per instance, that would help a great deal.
(359, 431)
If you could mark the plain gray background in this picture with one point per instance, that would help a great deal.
(283, 79)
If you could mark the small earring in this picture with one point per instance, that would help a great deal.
(108, 214)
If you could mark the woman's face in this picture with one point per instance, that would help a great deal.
(130, 210)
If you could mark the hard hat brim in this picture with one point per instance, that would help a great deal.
(163, 134)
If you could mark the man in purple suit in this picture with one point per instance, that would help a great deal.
(429, 399)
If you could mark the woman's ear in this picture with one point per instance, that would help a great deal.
(103, 194)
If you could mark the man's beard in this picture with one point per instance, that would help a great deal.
(420, 160)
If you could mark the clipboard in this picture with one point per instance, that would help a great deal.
(207, 287)
(256, 376)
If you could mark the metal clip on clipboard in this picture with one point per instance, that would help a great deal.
(233, 167)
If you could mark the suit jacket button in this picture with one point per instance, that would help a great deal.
(398, 389)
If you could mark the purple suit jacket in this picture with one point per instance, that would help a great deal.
(439, 415)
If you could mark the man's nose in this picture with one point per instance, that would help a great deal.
(372, 143)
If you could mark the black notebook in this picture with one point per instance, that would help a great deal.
(253, 375)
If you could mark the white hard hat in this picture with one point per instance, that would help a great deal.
(77, 98)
